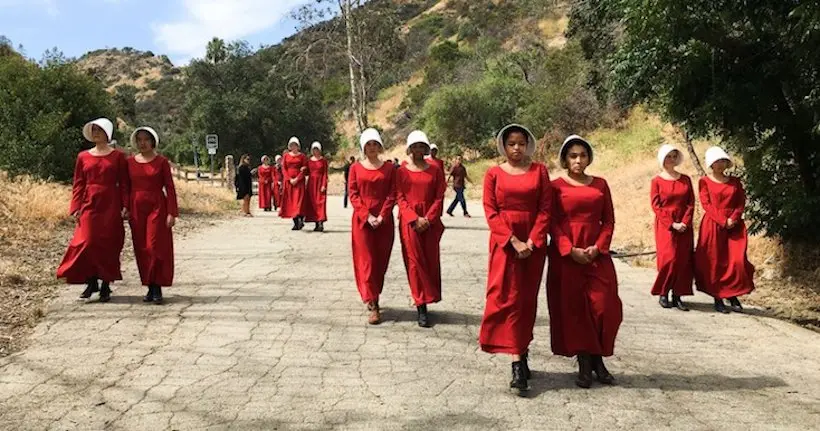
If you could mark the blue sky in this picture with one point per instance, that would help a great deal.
(177, 28)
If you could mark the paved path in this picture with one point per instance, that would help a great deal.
(264, 330)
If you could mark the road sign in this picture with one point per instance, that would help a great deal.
(212, 143)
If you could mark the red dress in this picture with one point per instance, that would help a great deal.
(293, 194)
(265, 176)
(372, 192)
(585, 310)
(276, 185)
(315, 202)
(514, 205)
(100, 192)
(673, 201)
(153, 198)
(722, 269)
(435, 162)
(421, 194)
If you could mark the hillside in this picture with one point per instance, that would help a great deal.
(116, 67)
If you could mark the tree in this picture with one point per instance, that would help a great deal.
(216, 52)
(125, 102)
(748, 74)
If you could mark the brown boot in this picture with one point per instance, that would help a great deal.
(375, 316)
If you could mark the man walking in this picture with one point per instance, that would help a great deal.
(347, 174)
(459, 175)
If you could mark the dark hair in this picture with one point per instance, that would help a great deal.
(150, 136)
(245, 156)
(570, 144)
(514, 129)
(352, 158)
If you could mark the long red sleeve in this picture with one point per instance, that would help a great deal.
(390, 201)
(407, 214)
(324, 174)
(437, 208)
(660, 212)
(689, 214)
(170, 190)
(498, 227)
(78, 187)
(303, 169)
(123, 180)
(559, 235)
(353, 194)
(706, 202)
(538, 233)
(737, 213)
(607, 222)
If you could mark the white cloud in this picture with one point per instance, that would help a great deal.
(228, 19)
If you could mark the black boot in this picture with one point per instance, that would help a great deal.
(295, 224)
(149, 297)
(320, 227)
(735, 305)
(526, 364)
(105, 292)
(519, 383)
(664, 301)
(317, 227)
(424, 320)
(157, 294)
(676, 301)
(720, 307)
(584, 379)
(300, 223)
(601, 373)
(91, 288)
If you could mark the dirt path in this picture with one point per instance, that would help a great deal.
(264, 330)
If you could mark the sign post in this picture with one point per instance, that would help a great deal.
(212, 144)
(196, 157)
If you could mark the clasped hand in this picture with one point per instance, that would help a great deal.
(522, 249)
(584, 255)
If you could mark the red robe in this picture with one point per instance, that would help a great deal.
(673, 201)
(315, 203)
(99, 194)
(722, 269)
(153, 198)
(421, 194)
(372, 193)
(265, 176)
(276, 185)
(293, 194)
(585, 310)
(514, 205)
(435, 162)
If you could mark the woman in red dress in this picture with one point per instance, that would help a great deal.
(722, 269)
(276, 184)
(294, 169)
(420, 195)
(582, 286)
(265, 176)
(517, 201)
(316, 199)
(153, 212)
(100, 193)
(673, 201)
(372, 191)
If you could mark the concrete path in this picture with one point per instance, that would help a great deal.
(264, 330)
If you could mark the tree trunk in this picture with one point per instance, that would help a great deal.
(354, 91)
(363, 97)
(690, 147)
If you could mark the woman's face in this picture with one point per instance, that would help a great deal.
(98, 135)
(372, 149)
(418, 150)
(720, 166)
(266, 161)
(577, 159)
(145, 142)
(316, 152)
(516, 146)
(293, 148)
(671, 159)
(246, 160)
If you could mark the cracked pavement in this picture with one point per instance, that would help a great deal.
(265, 330)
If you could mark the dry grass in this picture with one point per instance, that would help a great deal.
(34, 229)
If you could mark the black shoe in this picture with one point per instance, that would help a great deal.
(91, 288)
(720, 307)
(664, 301)
(295, 224)
(519, 384)
(424, 319)
(526, 364)
(601, 373)
(300, 223)
(320, 227)
(450, 214)
(735, 305)
(157, 295)
(149, 297)
(105, 292)
(584, 379)
(676, 301)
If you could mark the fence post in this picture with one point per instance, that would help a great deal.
(230, 172)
